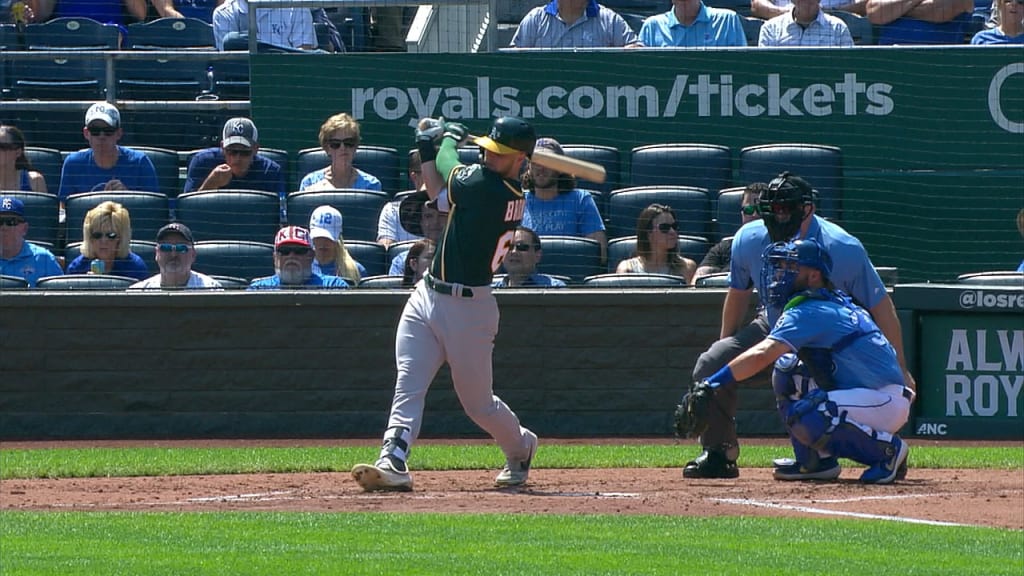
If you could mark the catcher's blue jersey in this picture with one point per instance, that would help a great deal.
(861, 355)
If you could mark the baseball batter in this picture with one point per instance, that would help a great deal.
(452, 315)
(838, 383)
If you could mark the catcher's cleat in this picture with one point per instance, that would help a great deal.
(516, 472)
(382, 476)
(711, 464)
(892, 469)
(827, 469)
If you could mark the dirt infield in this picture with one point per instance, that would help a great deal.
(973, 497)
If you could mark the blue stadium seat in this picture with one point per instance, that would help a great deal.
(359, 209)
(570, 256)
(821, 166)
(239, 259)
(861, 29)
(619, 249)
(58, 79)
(249, 215)
(85, 282)
(231, 78)
(49, 162)
(283, 159)
(168, 173)
(12, 283)
(606, 156)
(752, 29)
(370, 254)
(145, 249)
(379, 161)
(718, 280)
(172, 129)
(707, 166)
(148, 211)
(162, 79)
(230, 282)
(634, 281)
(72, 34)
(691, 205)
(728, 219)
(41, 214)
(380, 281)
(171, 34)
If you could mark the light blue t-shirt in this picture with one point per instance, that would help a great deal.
(81, 173)
(864, 361)
(364, 180)
(274, 282)
(852, 272)
(534, 280)
(32, 263)
(573, 213)
(713, 27)
(332, 268)
(995, 36)
(598, 27)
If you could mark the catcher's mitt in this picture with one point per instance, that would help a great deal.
(691, 416)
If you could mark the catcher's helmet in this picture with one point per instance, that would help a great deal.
(780, 275)
(509, 135)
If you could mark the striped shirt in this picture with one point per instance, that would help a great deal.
(598, 27)
(824, 30)
(288, 27)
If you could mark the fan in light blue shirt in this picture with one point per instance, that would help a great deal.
(691, 24)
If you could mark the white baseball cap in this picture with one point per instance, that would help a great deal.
(325, 222)
(105, 112)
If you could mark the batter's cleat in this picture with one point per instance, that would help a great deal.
(711, 464)
(516, 472)
(827, 469)
(383, 476)
(889, 471)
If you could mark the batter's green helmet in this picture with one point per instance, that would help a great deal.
(509, 135)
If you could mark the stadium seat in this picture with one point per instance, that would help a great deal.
(163, 79)
(821, 166)
(231, 78)
(718, 280)
(861, 29)
(370, 254)
(283, 159)
(570, 256)
(728, 219)
(993, 278)
(691, 205)
(58, 79)
(144, 248)
(167, 164)
(469, 154)
(174, 129)
(379, 161)
(890, 275)
(10, 38)
(49, 162)
(359, 209)
(250, 215)
(752, 29)
(12, 282)
(72, 34)
(171, 34)
(396, 249)
(239, 259)
(148, 211)
(230, 282)
(741, 7)
(707, 166)
(85, 282)
(381, 281)
(619, 249)
(41, 214)
(634, 281)
(606, 156)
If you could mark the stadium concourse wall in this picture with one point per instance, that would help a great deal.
(932, 138)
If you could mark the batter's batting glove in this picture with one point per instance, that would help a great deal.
(691, 415)
(429, 130)
(456, 131)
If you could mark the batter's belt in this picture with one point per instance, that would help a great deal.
(457, 290)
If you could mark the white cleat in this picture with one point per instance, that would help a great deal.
(516, 472)
(382, 476)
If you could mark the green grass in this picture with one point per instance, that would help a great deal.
(85, 462)
(294, 544)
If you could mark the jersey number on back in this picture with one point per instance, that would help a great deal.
(502, 248)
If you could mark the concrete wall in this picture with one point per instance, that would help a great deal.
(233, 365)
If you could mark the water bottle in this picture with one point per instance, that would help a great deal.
(97, 266)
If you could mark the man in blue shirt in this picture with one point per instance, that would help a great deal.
(104, 165)
(838, 383)
(787, 213)
(236, 164)
(573, 24)
(909, 22)
(521, 261)
(691, 24)
(17, 257)
(293, 262)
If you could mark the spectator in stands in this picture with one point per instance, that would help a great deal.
(280, 27)
(521, 263)
(236, 163)
(420, 217)
(339, 138)
(916, 22)
(1010, 25)
(692, 24)
(717, 259)
(201, 9)
(555, 207)
(573, 24)
(805, 24)
(332, 259)
(16, 171)
(107, 234)
(18, 257)
(768, 9)
(293, 263)
(657, 246)
(417, 261)
(389, 224)
(175, 255)
(106, 11)
(105, 165)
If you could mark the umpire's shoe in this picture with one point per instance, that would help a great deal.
(789, 469)
(388, 474)
(711, 464)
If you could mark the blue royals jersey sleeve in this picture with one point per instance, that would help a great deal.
(852, 270)
(864, 358)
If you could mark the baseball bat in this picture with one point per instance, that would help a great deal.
(569, 165)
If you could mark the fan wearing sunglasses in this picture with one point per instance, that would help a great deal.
(17, 257)
(657, 246)
(175, 255)
(16, 170)
(339, 138)
(105, 165)
(293, 264)
(521, 262)
(717, 258)
(107, 233)
(236, 164)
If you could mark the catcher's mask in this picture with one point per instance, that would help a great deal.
(782, 206)
(782, 261)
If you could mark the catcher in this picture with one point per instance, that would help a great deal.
(838, 384)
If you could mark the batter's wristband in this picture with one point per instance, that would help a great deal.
(427, 151)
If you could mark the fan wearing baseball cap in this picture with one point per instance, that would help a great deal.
(175, 255)
(17, 257)
(236, 163)
(293, 263)
(105, 165)
(332, 259)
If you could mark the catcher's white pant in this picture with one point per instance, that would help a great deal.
(435, 328)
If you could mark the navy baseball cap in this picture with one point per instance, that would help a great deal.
(175, 228)
(12, 205)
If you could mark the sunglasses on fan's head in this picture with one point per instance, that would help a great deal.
(335, 143)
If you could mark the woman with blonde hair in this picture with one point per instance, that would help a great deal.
(339, 137)
(107, 237)
(16, 171)
(657, 246)
(332, 259)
